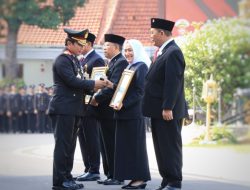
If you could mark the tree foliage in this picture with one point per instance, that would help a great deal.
(222, 48)
(42, 13)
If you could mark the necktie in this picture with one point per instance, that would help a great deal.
(82, 61)
(155, 55)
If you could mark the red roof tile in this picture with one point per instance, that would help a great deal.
(191, 10)
(129, 18)
(133, 19)
(88, 16)
(220, 9)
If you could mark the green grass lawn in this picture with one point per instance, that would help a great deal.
(242, 148)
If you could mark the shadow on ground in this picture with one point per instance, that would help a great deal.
(44, 183)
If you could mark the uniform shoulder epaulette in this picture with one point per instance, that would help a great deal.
(67, 52)
(68, 55)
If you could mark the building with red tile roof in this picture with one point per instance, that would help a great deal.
(37, 47)
(129, 18)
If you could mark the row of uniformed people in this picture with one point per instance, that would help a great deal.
(25, 110)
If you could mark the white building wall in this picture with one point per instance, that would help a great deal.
(37, 71)
(35, 58)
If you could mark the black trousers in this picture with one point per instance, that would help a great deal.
(1, 123)
(41, 121)
(31, 122)
(14, 122)
(108, 136)
(23, 123)
(103, 154)
(65, 133)
(6, 123)
(89, 140)
(168, 149)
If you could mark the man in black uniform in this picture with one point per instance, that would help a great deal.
(164, 103)
(2, 104)
(41, 106)
(112, 50)
(30, 109)
(89, 135)
(4, 109)
(23, 116)
(48, 120)
(14, 108)
(66, 107)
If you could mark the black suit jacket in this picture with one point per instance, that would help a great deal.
(116, 67)
(68, 86)
(93, 60)
(164, 84)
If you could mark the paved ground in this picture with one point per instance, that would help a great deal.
(26, 164)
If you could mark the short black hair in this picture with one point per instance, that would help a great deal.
(120, 47)
(91, 43)
(166, 32)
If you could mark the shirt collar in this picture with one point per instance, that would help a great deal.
(86, 55)
(114, 56)
(164, 45)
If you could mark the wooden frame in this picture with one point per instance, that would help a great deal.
(97, 73)
(122, 88)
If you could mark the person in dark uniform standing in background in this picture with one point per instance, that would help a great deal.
(89, 132)
(30, 109)
(164, 103)
(112, 50)
(14, 108)
(2, 105)
(41, 103)
(22, 117)
(66, 107)
(49, 129)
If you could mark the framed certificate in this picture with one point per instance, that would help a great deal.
(97, 73)
(122, 88)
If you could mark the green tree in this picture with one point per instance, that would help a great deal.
(222, 48)
(43, 13)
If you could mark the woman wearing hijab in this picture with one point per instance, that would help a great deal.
(131, 160)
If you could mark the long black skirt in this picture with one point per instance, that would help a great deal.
(131, 159)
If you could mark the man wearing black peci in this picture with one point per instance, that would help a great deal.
(112, 51)
(89, 133)
(164, 103)
(66, 107)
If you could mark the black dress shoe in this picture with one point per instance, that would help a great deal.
(140, 186)
(68, 185)
(78, 185)
(113, 182)
(160, 188)
(171, 188)
(100, 181)
(74, 178)
(88, 177)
